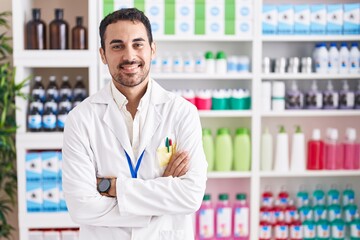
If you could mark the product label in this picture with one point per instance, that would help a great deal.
(338, 231)
(33, 166)
(206, 223)
(265, 232)
(51, 198)
(281, 231)
(301, 19)
(351, 18)
(223, 225)
(313, 100)
(331, 100)
(61, 120)
(347, 99)
(309, 231)
(49, 121)
(34, 197)
(318, 19)
(355, 230)
(296, 232)
(52, 105)
(66, 92)
(39, 92)
(333, 212)
(34, 121)
(269, 19)
(334, 19)
(285, 19)
(52, 92)
(241, 224)
(82, 92)
(38, 105)
(323, 231)
(290, 215)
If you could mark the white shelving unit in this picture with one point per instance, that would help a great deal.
(257, 46)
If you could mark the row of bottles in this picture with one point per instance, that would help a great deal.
(227, 153)
(53, 234)
(36, 32)
(332, 154)
(224, 221)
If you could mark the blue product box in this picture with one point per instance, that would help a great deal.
(51, 199)
(302, 19)
(269, 20)
(318, 19)
(62, 204)
(60, 166)
(285, 19)
(33, 166)
(351, 18)
(335, 17)
(50, 165)
(34, 198)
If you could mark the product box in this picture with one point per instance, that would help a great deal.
(335, 18)
(62, 203)
(285, 19)
(214, 17)
(155, 11)
(51, 198)
(50, 165)
(318, 19)
(243, 10)
(351, 18)
(244, 28)
(301, 19)
(60, 165)
(34, 199)
(269, 19)
(33, 166)
(119, 4)
(184, 17)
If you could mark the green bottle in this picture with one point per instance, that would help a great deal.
(301, 197)
(355, 228)
(223, 150)
(319, 212)
(319, 195)
(334, 210)
(309, 229)
(333, 194)
(322, 229)
(208, 145)
(242, 150)
(348, 194)
(306, 212)
(338, 228)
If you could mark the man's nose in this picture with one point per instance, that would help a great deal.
(129, 54)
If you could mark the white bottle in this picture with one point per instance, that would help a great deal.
(199, 62)
(346, 97)
(278, 96)
(266, 96)
(209, 63)
(333, 66)
(221, 63)
(282, 151)
(178, 64)
(266, 163)
(315, 55)
(344, 58)
(321, 62)
(156, 64)
(354, 58)
(189, 63)
(298, 151)
(166, 63)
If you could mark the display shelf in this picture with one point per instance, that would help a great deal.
(40, 140)
(310, 38)
(323, 173)
(231, 174)
(49, 220)
(311, 76)
(225, 113)
(312, 113)
(203, 38)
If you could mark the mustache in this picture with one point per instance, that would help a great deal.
(129, 63)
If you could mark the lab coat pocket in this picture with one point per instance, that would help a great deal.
(165, 151)
(172, 235)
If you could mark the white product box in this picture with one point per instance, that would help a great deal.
(51, 198)
(214, 15)
(155, 9)
(52, 235)
(184, 27)
(318, 18)
(36, 235)
(34, 199)
(334, 19)
(69, 235)
(119, 4)
(33, 166)
(301, 19)
(244, 28)
(60, 165)
(244, 10)
(351, 18)
(285, 19)
(269, 19)
(157, 27)
(184, 17)
(50, 165)
(62, 202)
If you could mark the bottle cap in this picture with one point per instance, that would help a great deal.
(241, 196)
(223, 196)
(79, 20)
(209, 55)
(52, 78)
(298, 129)
(59, 13)
(222, 131)
(314, 86)
(207, 197)
(37, 78)
(329, 86)
(344, 44)
(282, 129)
(333, 134)
(354, 44)
(351, 134)
(220, 55)
(333, 44)
(36, 13)
(240, 131)
(65, 78)
(206, 131)
(79, 78)
(316, 134)
(345, 85)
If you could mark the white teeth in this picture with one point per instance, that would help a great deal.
(130, 67)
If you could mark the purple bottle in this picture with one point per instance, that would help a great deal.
(357, 97)
(330, 97)
(294, 99)
(313, 98)
(346, 97)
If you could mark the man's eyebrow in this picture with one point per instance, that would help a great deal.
(116, 41)
(139, 40)
(121, 41)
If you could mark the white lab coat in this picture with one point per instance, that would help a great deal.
(154, 207)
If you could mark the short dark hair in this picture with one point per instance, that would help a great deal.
(129, 14)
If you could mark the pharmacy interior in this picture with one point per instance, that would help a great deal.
(277, 88)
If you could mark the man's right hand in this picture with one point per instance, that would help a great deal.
(178, 165)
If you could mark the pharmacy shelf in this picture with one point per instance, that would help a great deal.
(49, 220)
(225, 113)
(310, 38)
(324, 173)
(313, 113)
(232, 174)
(308, 76)
(203, 38)
(40, 140)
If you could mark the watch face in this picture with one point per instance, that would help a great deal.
(104, 185)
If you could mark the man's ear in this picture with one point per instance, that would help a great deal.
(102, 55)
(153, 50)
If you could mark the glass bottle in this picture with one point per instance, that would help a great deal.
(36, 31)
(59, 31)
(79, 35)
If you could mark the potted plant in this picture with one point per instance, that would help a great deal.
(9, 89)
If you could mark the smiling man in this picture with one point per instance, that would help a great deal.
(133, 161)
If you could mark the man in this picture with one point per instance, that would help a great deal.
(134, 166)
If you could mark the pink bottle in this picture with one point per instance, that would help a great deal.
(350, 160)
(223, 218)
(315, 151)
(333, 151)
(241, 218)
(265, 228)
(205, 220)
(189, 95)
(281, 229)
(203, 100)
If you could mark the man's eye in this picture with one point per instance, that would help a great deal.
(116, 47)
(138, 45)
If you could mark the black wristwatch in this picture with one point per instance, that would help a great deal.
(104, 185)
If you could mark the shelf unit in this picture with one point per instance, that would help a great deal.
(252, 182)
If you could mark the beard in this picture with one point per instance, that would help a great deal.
(130, 79)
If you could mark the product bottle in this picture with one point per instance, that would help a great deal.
(51, 103)
(338, 228)
(178, 63)
(205, 220)
(281, 229)
(313, 98)
(349, 212)
(306, 212)
(221, 63)
(65, 88)
(357, 97)
(79, 88)
(278, 96)
(208, 145)
(333, 152)
(321, 63)
(294, 98)
(203, 99)
(223, 218)
(355, 227)
(223, 150)
(166, 63)
(266, 204)
(330, 97)
(189, 95)
(36, 31)
(319, 195)
(298, 151)
(350, 149)
(320, 211)
(344, 58)
(36, 102)
(333, 194)
(189, 63)
(49, 120)
(302, 196)
(333, 66)
(65, 103)
(59, 31)
(290, 212)
(241, 215)
(34, 120)
(323, 229)
(315, 56)
(79, 35)
(209, 63)
(38, 88)
(283, 196)
(62, 115)
(242, 150)
(77, 100)
(309, 229)
(282, 151)
(277, 212)
(199, 63)
(265, 229)
(266, 163)
(354, 57)
(296, 228)
(315, 151)
(346, 97)
(52, 90)
(334, 210)
(348, 195)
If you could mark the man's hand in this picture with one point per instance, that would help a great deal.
(178, 165)
(112, 190)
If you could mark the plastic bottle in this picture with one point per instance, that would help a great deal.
(333, 194)
(223, 150)
(281, 230)
(349, 211)
(282, 151)
(266, 151)
(205, 220)
(321, 63)
(309, 229)
(278, 96)
(320, 211)
(338, 228)
(36, 102)
(333, 151)
(357, 97)
(290, 212)
(306, 212)
(296, 228)
(34, 120)
(178, 63)
(79, 88)
(323, 229)
(36, 31)
(355, 227)
(348, 195)
(302, 196)
(208, 144)
(203, 99)
(166, 63)
(156, 64)
(223, 218)
(243, 65)
(232, 62)
(315, 151)
(189, 95)
(65, 103)
(52, 89)
(349, 146)
(333, 66)
(221, 63)
(51, 103)
(189, 63)
(346, 97)
(209, 63)
(242, 150)
(294, 98)
(344, 58)
(79, 35)
(334, 210)
(315, 56)
(354, 58)
(65, 88)
(38, 88)
(218, 100)
(199, 63)
(241, 218)
(59, 31)
(330, 97)
(49, 120)
(319, 195)
(265, 229)
(298, 151)
(61, 119)
(313, 98)
(277, 212)
(283, 196)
